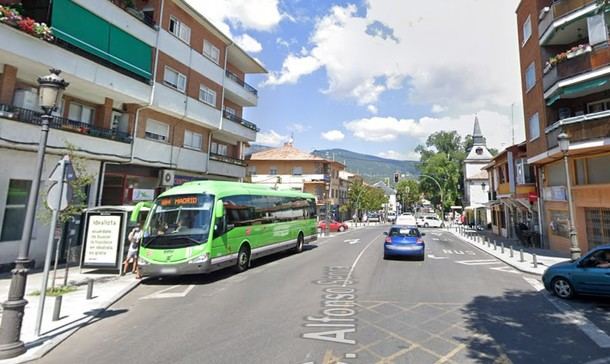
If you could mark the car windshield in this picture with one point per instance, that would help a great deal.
(404, 232)
(185, 216)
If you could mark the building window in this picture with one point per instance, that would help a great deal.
(14, 213)
(297, 171)
(174, 79)
(597, 221)
(210, 51)
(593, 170)
(82, 113)
(157, 130)
(273, 171)
(177, 28)
(527, 30)
(596, 25)
(218, 148)
(192, 140)
(207, 95)
(530, 77)
(534, 127)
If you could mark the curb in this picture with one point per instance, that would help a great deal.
(498, 256)
(45, 346)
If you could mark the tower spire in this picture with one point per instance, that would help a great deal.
(477, 135)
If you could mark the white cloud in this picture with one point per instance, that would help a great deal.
(292, 69)
(298, 128)
(366, 55)
(333, 135)
(248, 44)
(372, 109)
(437, 109)
(496, 127)
(271, 138)
(261, 15)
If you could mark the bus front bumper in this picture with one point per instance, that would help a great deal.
(153, 270)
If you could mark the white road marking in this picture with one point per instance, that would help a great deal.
(478, 262)
(506, 269)
(459, 252)
(575, 317)
(351, 270)
(431, 256)
(164, 294)
(436, 239)
(352, 241)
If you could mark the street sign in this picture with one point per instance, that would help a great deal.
(69, 175)
(58, 195)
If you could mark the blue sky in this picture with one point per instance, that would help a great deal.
(377, 76)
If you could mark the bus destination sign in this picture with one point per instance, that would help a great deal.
(182, 200)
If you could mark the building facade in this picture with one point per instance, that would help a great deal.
(476, 180)
(156, 98)
(565, 68)
(294, 169)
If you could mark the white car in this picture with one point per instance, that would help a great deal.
(391, 216)
(429, 221)
(406, 220)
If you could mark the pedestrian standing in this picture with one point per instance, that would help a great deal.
(132, 253)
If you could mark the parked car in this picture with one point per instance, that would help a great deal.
(391, 216)
(334, 226)
(404, 241)
(429, 221)
(589, 275)
(406, 219)
(373, 217)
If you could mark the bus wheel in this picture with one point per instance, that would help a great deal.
(300, 241)
(243, 259)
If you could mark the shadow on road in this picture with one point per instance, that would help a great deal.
(527, 329)
(209, 278)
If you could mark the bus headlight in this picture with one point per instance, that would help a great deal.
(200, 259)
(142, 261)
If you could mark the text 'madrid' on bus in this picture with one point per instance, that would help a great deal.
(203, 226)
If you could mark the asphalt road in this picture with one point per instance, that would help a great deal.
(340, 302)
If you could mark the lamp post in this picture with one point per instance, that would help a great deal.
(50, 94)
(564, 146)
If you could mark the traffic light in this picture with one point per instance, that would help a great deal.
(396, 177)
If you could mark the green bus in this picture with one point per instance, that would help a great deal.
(203, 226)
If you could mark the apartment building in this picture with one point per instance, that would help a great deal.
(157, 96)
(512, 194)
(294, 169)
(565, 68)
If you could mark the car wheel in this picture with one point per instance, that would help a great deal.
(562, 288)
(341, 229)
(426, 225)
(243, 259)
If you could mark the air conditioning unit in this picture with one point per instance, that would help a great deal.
(167, 177)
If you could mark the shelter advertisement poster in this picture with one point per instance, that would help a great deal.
(103, 237)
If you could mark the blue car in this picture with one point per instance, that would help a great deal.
(404, 241)
(589, 275)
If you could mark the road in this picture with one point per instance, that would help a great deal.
(340, 302)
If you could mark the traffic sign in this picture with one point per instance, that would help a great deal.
(60, 193)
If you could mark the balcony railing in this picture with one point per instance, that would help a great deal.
(558, 9)
(237, 119)
(138, 14)
(34, 117)
(226, 159)
(242, 83)
(580, 128)
(582, 63)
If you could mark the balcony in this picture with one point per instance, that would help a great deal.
(239, 91)
(580, 128)
(34, 117)
(227, 159)
(136, 13)
(565, 17)
(237, 119)
(237, 127)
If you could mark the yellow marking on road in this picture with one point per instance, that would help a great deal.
(450, 354)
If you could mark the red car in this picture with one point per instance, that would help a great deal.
(334, 226)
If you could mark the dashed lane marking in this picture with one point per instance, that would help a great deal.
(478, 262)
(432, 256)
(575, 317)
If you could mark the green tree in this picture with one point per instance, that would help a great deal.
(374, 198)
(408, 192)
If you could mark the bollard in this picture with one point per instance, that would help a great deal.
(512, 255)
(89, 288)
(521, 256)
(502, 248)
(57, 308)
(495, 245)
(535, 260)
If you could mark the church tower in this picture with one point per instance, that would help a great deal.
(476, 179)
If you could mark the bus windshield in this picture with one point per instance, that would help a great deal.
(181, 219)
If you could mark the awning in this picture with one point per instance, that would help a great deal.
(576, 88)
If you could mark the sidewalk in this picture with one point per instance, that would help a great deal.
(76, 310)
(484, 240)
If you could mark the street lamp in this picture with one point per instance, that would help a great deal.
(50, 94)
(564, 146)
